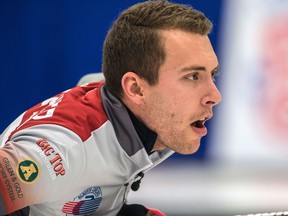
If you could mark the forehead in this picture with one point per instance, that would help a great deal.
(185, 49)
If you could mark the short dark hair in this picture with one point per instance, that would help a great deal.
(134, 42)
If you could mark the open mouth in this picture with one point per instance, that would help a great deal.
(199, 123)
(199, 127)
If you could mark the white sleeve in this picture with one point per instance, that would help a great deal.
(38, 164)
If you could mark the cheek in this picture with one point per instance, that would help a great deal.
(165, 116)
(170, 104)
(157, 112)
(162, 105)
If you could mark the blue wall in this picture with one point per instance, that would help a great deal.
(47, 45)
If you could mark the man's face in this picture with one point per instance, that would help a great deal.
(177, 107)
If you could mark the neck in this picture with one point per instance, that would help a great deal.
(158, 145)
(147, 136)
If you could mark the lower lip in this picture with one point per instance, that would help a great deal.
(200, 131)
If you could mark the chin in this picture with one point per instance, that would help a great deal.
(188, 151)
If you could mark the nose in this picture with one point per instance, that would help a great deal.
(212, 97)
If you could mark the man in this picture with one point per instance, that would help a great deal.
(80, 152)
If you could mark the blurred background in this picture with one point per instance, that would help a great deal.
(241, 167)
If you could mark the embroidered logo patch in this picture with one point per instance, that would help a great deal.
(28, 171)
(85, 203)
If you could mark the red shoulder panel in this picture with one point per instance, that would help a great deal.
(79, 109)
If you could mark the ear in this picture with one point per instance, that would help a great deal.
(132, 86)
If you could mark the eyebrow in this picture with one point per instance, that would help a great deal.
(198, 68)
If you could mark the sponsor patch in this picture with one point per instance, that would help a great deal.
(28, 171)
(47, 163)
(9, 179)
(85, 203)
(54, 157)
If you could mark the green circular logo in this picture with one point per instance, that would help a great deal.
(28, 171)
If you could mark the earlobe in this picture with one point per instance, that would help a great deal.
(132, 87)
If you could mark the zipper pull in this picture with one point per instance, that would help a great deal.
(136, 184)
(125, 193)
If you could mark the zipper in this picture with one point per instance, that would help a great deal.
(136, 184)
(156, 159)
(125, 192)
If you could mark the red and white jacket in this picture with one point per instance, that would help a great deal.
(76, 153)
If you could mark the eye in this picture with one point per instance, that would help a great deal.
(214, 74)
(194, 76)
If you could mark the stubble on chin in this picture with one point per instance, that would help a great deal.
(179, 145)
